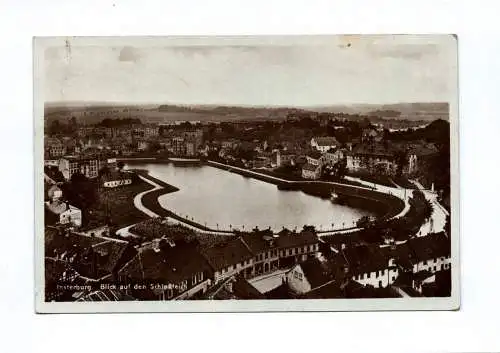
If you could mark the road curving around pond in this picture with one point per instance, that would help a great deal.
(394, 200)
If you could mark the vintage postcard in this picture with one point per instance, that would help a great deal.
(264, 173)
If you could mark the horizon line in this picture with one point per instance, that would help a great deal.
(83, 102)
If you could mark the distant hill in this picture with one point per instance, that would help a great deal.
(408, 111)
(94, 112)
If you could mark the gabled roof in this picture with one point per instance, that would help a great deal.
(326, 141)
(366, 258)
(243, 289)
(169, 264)
(310, 167)
(227, 253)
(350, 290)
(111, 253)
(315, 154)
(255, 242)
(316, 272)
(295, 240)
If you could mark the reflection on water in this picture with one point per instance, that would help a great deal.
(222, 199)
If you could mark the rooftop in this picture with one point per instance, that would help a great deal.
(310, 167)
(168, 264)
(227, 253)
(326, 141)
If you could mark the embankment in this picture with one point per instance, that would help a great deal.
(381, 204)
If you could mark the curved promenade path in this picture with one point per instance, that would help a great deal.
(437, 221)
(397, 192)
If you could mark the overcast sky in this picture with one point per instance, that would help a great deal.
(336, 70)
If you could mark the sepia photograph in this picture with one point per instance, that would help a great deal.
(258, 173)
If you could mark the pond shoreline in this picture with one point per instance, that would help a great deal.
(384, 206)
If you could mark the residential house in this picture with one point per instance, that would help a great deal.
(179, 146)
(387, 262)
(229, 258)
(88, 166)
(296, 247)
(54, 193)
(54, 147)
(331, 157)
(372, 265)
(372, 135)
(311, 171)
(314, 157)
(309, 275)
(418, 154)
(323, 144)
(167, 270)
(285, 157)
(94, 257)
(191, 147)
(373, 159)
(265, 251)
(59, 212)
(260, 162)
(235, 287)
(259, 253)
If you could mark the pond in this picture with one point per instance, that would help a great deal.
(224, 200)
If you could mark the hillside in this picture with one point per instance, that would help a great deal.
(408, 111)
(91, 113)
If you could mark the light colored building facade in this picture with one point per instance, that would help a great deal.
(311, 171)
(323, 144)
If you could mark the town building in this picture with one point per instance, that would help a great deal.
(235, 287)
(88, 166)
(260, 253)
(331, 157)
(387, 262)
(229, 258)
(94, 257)
(113, 179)
(418, 155)
(314, 157)
(54, 193)
(54, 147)
(309, 275)
(311, 171)
(167, 269)
(59, 212)
(285, 157)
(323, 144)
(178, 146)
(372, 135)
(372, 159)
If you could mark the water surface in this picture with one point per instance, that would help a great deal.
(225, 200)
